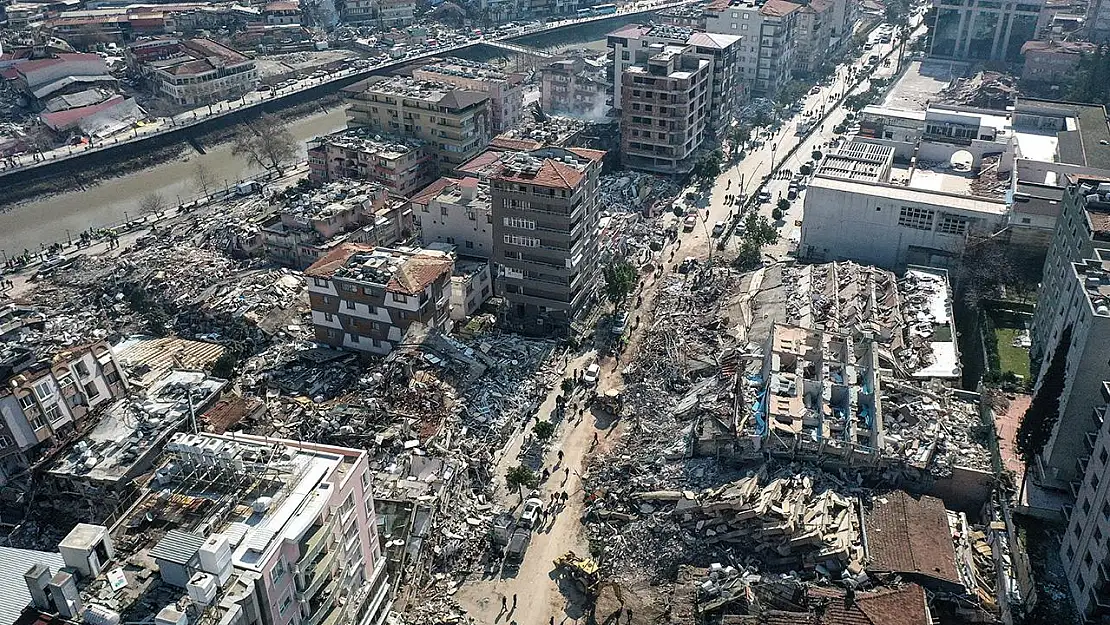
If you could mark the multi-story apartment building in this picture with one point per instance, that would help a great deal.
(365, 298)
(459, 214)
(312, 223)
(1082, 228)
(812, 36)
(281, 13)
(966, 30)
(505, 90)
(664, 109)
(191, 72)
(688, 15)
(384, 13)
(545, 214)
(45, 401)
(1084, 550)
(575, 86)
(767, 51)
(455, 122)
(294, 541)
(400, 164)
(722, 51)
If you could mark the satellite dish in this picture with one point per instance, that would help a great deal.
(962, 160)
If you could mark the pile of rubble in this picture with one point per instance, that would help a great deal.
(794, 521)
(986, 89)
(990, 182)
(933, 430)
(631, 191)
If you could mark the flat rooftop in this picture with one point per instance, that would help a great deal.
(473, 70)
(859, 160)
(439, 93)
(399, 271)
(1095, 276)
(368, 142)
(1081, 132)
(922, 83)
(133, 429)
(332, 199)
(908, 194)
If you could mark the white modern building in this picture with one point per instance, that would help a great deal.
(767, 27)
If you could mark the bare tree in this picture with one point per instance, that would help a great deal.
(151, 204)
(203, 179)
(268, 143)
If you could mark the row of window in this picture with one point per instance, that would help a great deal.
(919, 218)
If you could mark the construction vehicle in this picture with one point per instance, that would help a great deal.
(610, 401)
(583, 572)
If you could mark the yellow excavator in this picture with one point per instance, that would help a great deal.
(582, 571)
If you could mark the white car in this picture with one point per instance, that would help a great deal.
(531, 512)
(590, 376)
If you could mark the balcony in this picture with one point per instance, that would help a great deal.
(322, 608)
(314, 542)
(315, 576)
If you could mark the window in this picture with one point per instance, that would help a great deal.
(399, 297)
(1086, 511)
(5, 442)
(952, 224)
(354, 337)
(65, 382)
(443, 211)
(350, 288)
(520, 222)
(37, 422)
(280, 569)
(512, 239)
(1098, 535)
(469, 244)
(328, 317)
(319, 282)
(916, 218)
(43, 390)
(27, 401)
(286, 602)
(91, 391)
(82, 370)
(1103, 456)
(350, 304)
(1088, 560)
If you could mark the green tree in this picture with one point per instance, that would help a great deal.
(567, 385)
(783, 205)
(816, 155)
(710, 165)
(544, 430)
(620, 279)
(749, 256)
(776, 213)
(759, 230)
(1039, 420)
(740, 135)
(521, 475)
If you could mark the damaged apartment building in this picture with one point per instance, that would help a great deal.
(231, 530)
(309, 224)
(366, 298)
(401, 165)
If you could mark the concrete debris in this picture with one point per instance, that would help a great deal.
(632, 191)
(986, 89)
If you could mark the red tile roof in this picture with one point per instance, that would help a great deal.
(593, 155)
(506, 143)
(778, 8)
(425, 195)
(326, 266)
(552, 173)
(907, 535)
(416, 273)
(887, 606)
(480, 163)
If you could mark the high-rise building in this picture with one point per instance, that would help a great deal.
(1082, 228)
(576, 86)
(812, 36)
(966, 30)
(545, 215)
(723, 51)
(767, 51)
(506, 91)
(1084, 550)
(455, 122)
(401, 165)
(665, 108)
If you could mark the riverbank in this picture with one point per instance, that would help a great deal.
(12, 197)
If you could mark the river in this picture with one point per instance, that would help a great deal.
(27, 225)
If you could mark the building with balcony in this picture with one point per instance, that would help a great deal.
(966, 30)
(454, 122)
(365, 298)
(545, 216)
(1082, 228)
(385, 14)
(812, 40)
(471, 286)
(401, 165)
(193, 72)
(310, 224)
(242, 529)
(44, 401)
(665, 109)
(723, 51)
(576, 86)
(769, 41)
(505, 90)
(1083, 547)
(281, 13)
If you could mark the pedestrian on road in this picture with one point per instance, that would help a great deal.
(560, 455)
(546, 473)
(503, 604)
(514, 600)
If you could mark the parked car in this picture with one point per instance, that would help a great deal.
(719, 228)
(687, 264)
(531, 512)
(689, 222)
(620, 322)
(591, 374)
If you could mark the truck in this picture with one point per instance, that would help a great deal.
(610, 401)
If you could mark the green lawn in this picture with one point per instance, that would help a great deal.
(1014, 359)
